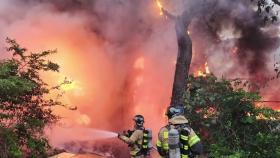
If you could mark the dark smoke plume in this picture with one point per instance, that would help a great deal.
(254, 39)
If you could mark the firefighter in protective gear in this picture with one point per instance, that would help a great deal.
(190, 144)
(137, 139)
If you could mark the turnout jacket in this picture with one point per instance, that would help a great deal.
(193, 141)
(134, 142)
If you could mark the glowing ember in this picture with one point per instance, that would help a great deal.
(160, 6)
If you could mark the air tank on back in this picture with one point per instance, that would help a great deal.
(174, 143)
(150, 137)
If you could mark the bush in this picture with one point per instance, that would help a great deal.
(25, 111)
(228, 121)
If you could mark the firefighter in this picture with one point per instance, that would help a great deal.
(187, 145)
(139, 139)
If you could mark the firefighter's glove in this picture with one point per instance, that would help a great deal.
(124, 133)
(119, 135)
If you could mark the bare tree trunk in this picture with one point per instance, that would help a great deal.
(184, 57)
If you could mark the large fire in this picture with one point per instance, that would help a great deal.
(110, 82)
(118, 55)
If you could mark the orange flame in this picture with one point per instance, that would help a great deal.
(83, 119)
(207, 71)
(160, 6)
(203, 72)
(200, 73)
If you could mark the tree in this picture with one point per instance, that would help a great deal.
(228, 120)
(266, 7)
(25, 109)
(226, 116)
(184, 56)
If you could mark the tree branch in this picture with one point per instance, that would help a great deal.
(277, 2)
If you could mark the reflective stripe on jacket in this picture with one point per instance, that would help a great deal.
(186, 139)
(145, 140)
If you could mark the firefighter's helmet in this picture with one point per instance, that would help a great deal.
(174, 111)
(139, 120)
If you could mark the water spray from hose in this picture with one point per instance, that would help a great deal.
(61, 135)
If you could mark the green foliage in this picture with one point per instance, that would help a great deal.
(25, 111)
(9, 146)
(11, 85)
(228, 120)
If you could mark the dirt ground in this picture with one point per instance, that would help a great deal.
(69, 155)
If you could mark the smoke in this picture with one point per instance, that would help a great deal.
(121, 53)
(237, 41)
(254, 44)
(235, 25)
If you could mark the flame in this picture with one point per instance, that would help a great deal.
(160, 6)
(101, 81)
(203, 72)
(83, 120)
(139, 63)
(207, 71)
(70, 85)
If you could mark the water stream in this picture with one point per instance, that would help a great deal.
(60, 135)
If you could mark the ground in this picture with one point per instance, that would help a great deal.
(69, 155)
